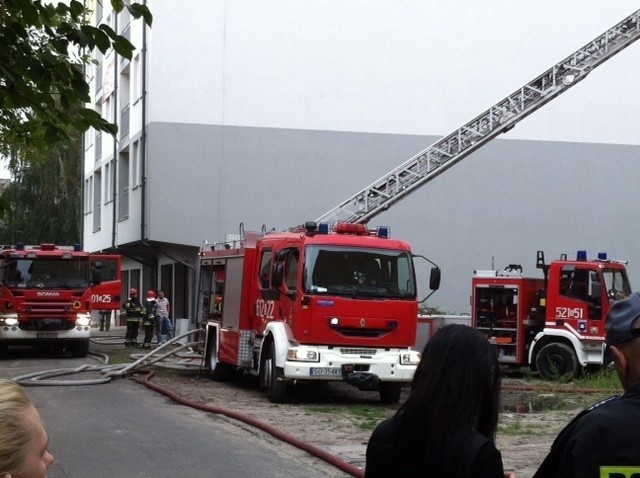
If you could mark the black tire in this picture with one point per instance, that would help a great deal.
(390, 392)
(223, 372)
(276, 386)
(556, 361)
(219, 370)
(80, 349)
(4, 349)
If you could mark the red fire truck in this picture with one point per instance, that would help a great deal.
(47, 293)
(553, 324)
(314, 304)
(295, 305)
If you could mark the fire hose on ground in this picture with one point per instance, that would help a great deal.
(155, 357)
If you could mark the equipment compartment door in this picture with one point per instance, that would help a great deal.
(496, 314)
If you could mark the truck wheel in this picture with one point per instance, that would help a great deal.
(4, 349)
(556, 360)
(223, 372)
(80, 349)
(220, 371)
(276, 387)
(390, 392)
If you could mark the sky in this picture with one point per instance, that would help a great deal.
(4, 172)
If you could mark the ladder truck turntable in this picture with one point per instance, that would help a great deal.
(47, 293)
(293, 306)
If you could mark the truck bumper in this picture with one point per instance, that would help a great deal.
(340, 363)
(14, 334)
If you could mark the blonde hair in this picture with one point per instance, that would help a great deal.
(15, 437)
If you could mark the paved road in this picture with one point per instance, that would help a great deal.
(123, 429)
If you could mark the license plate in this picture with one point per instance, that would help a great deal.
(326, 371)
(47, 335)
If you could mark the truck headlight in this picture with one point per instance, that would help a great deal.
(83, 320)
(11, 321)
(303, 354)
(410, 358)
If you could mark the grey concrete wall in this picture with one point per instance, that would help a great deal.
(500, 205)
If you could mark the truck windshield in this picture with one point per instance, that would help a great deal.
(41, 273)
(359, 272)
(617, 284)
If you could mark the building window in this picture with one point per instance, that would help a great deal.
(98, 144)
(98, 12)
(108, 182)
(88, 138)
(97, 203)
(136, 164)
(137, 78)
(124, 124)
(123, 185)
(99, 80)
(88, 194)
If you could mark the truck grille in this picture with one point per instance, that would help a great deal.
(47, 324)
(354, 351)
(359, 332)
(47, 315)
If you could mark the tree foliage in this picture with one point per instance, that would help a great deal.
(45, 196)
(43, 92)
(42, 86)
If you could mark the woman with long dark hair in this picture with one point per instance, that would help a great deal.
(447, 426)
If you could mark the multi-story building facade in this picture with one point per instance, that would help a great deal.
(272, 113)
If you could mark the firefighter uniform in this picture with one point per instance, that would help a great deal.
(149, 318)
(135, 311)
(601, 442)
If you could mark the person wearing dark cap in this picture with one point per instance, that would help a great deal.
(604, 441)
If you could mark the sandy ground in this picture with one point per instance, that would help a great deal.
(339, 418)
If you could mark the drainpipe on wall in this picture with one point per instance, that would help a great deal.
(114, 168)
(143, 137)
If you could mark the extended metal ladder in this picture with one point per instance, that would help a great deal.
(501, 117)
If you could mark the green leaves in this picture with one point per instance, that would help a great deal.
(43, 90)
(136, 10)
(43, 200)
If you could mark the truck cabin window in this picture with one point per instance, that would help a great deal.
(616, 284)
(359, 272)
(46, 273)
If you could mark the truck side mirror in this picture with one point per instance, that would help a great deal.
(434, 278)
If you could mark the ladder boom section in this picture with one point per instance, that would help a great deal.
(498, 119)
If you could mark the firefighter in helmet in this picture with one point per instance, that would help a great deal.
(149, 318)
(134, 310)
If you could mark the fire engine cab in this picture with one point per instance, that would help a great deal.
(314, 304)
(554, 324)
(47, 293)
